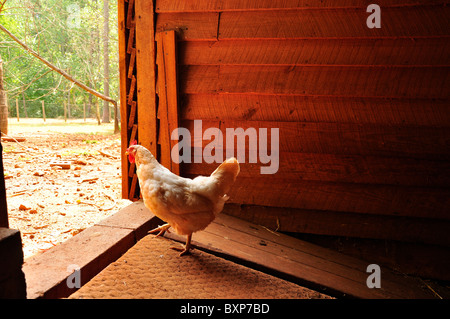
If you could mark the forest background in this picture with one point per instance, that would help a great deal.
(79, 37)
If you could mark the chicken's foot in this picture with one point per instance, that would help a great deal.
(162, 229)
(186, 249)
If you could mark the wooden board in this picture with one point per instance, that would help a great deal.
(342, 197)
(392, 82)
(421, 51)
(13, 139)
(123, 75)
(331, 223)
(3, 207)
(299, 261)
(298, 108)
(415, 259)
(344, 169)
(311, 23)
(420, 142)
(231, 5)
(191, 26)
(146, 76)
(168, 97)
(335, 23)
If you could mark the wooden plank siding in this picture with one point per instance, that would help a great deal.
(334, 23)
(316, 109)
(372, 170)
(421, 142)
(393, 82)
(300, 52)
(252, 5)
(342, 197)
(363, 113)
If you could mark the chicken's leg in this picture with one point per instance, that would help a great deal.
(186, 249)
(162, 229)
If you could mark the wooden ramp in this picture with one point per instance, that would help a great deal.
(307, 264)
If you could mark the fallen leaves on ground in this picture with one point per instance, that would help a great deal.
(59, 184)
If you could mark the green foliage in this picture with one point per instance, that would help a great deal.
(68, 33)
(90, 141)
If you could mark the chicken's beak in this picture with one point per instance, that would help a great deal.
(127, 152)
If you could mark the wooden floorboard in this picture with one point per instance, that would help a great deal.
(299, 261)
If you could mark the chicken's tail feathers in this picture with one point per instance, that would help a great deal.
(230, 166)
(226, 174)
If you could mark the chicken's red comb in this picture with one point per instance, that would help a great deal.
(133, 143)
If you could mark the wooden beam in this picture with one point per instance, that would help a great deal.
(331, 109)
(267, 190)
(168, 96)
(302, 24)
(334, 23)
(421, 51)
(255, 5)
(170, 50)
(340, 81)
(123, 76)
(3, 204)
(417, 142)
(356, 169)
(198, 26)
(146, 75)
(164, 134)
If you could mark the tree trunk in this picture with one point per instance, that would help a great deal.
(89, 111)
(106, 117)
(24, 105)
(3, 103)
(98, 111)
(69, 113)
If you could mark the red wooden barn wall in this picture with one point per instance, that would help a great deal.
(363, 113)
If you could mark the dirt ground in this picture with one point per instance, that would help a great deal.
(58, 184)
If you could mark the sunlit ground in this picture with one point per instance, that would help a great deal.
(59, 125)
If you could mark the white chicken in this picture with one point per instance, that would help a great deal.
(187, 205)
